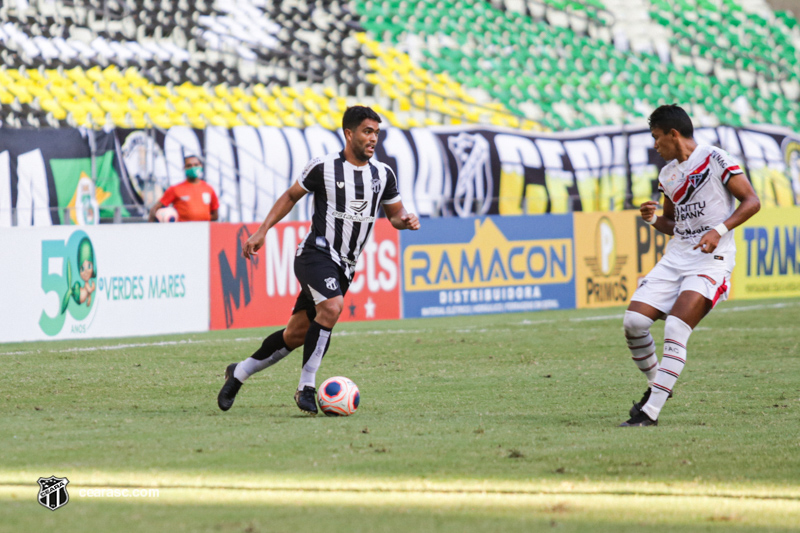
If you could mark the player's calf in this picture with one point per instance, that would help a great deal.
(641, 344)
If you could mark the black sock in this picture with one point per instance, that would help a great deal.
(271, 344)
(313, 352)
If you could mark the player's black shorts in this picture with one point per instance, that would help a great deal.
(320, 279)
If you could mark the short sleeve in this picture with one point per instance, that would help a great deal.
(169, 197)
(390, 192)
(727, 165)
(312, 177)
(214, 200)
(660, 182)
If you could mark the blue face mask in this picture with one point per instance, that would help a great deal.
(194, 173)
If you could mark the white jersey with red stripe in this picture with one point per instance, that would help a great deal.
(697, 188)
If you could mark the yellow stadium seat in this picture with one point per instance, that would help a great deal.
(197, 121)
(20, 92)
(220, 106)
(327, 122)
(216, 120)
(270, 119)
(5, 96)
(251, 119)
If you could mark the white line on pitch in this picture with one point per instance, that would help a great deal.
(467, 329)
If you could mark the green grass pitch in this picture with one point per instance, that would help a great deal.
(486, 423)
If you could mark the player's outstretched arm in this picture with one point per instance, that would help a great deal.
(749, 205)
(399, 217)
(279, 210)
(665, 223)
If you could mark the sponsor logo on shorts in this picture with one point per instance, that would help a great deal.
(719, 257)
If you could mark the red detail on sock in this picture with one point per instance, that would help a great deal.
(641, 346)
(644, 357)
(675, 342)
(649, 369)
(670, 372)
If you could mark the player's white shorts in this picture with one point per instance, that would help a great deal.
(661, 287)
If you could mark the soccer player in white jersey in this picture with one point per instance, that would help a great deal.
(348, 188)
(700, 185)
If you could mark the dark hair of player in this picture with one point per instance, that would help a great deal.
(354, 116)
(671, 117)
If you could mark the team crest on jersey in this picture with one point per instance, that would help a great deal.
(694, 182)
(376, 184)
(331, 283)
(358, 205)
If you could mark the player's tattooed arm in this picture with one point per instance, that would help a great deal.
(665, 223)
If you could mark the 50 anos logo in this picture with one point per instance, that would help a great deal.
(69, 269)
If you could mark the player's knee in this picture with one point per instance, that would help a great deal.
(328, 311)
(635, 324)
(675, 328)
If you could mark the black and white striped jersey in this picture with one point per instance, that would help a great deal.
(346, 199)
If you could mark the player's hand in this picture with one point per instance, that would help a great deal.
(410, 221)
(648, 209)
(253, 245)
(709, 242)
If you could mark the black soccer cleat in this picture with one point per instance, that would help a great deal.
(306, 400)
(641, 419)
(637, 406)
(228, 391)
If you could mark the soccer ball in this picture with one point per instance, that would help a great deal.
(167, 214)
(338, 396)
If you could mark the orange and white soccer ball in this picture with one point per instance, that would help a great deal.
(338, 396)
(167, 214)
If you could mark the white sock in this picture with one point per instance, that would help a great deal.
(641, 344)
(250, 366)
(676, 336)
(308, 375)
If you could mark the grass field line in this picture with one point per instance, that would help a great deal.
(173, 481)
(602, 511)
(462, 329)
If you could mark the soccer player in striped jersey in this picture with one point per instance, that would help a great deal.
(700, 185)
(348, 188)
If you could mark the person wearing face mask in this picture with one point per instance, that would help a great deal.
(194, 199)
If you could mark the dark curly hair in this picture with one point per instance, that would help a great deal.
(354, 116)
